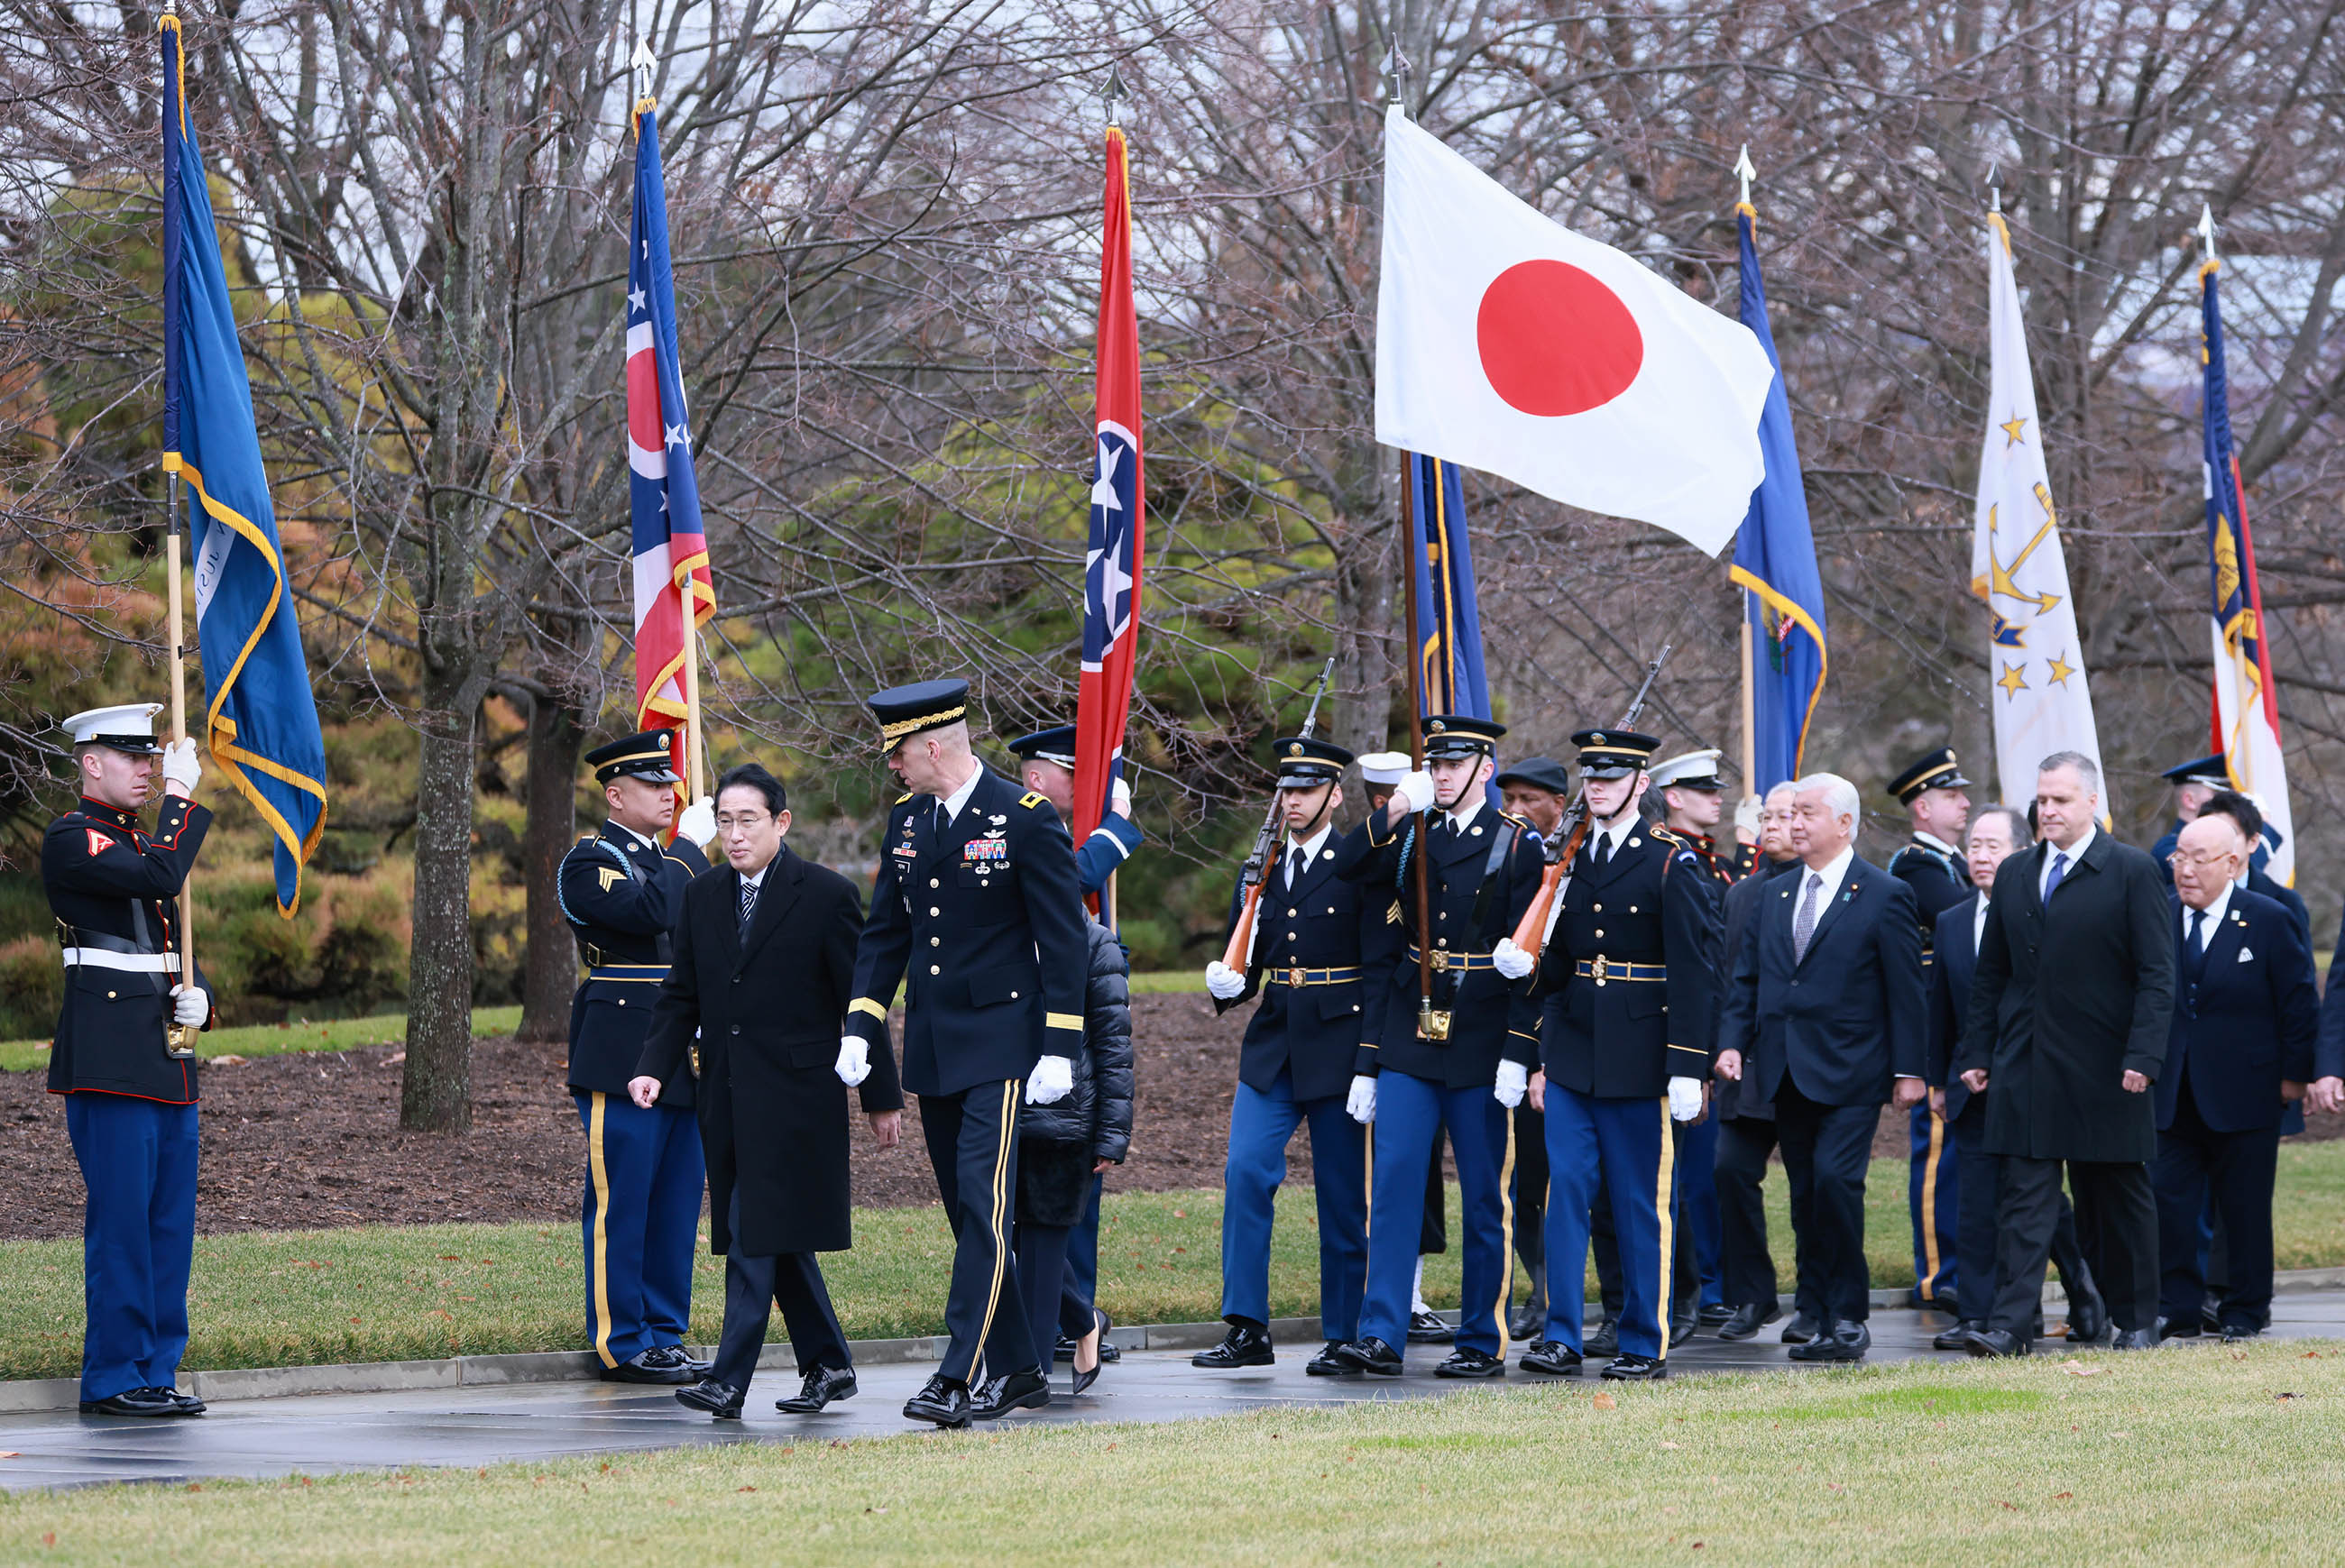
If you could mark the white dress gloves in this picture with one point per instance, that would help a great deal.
(191, 1005)
(1514, 1082)
(181, 768)
(854, 1063)
(1416, 788)
(1510, 960)
(1225, 983)
(1685, 1099)
(1360, 1105)
(698, 822)
(1053, 1081)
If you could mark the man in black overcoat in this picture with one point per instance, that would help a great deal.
(2068, 1015)
(752, 1007)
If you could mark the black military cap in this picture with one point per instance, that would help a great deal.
(1306, 764)
(924, 706)
(1055, 745)
(1461, 735)
(1936, 769)
(2210, 771)
(1540, 772)
(643, 756)
(1614, 754)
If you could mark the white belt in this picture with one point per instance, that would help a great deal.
(135, 963)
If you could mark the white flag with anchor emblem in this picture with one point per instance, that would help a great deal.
(2035, 662)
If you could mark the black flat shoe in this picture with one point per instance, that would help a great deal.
(1717, 1315)
(1553, 1357)
(1428, 1329)
(134, 1401)
(1956, 1338)
(1635, 1369)
(1744, 1323)
(2135, 1339)
(1372, 1356)
(1463, 1362)
(676, 1359)
(940, 1401)
(720, 1399)
(1330, 1362)
(1064, 1349)
(1528, 1322)
(1098, 1336)
(2239, 1333)
(822, 1385)
(1602, 1340)
(1846, 1343)
(1244, 1346)
(1800, 1329)
(1680, 1331)
(1026, 1390)
(1996, 1343)
(665, 1365)
(188, 1404)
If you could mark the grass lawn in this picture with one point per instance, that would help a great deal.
(404, 1292)
(2207, 1454)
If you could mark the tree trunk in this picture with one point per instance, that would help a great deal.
(549, 968)
(436, 1088)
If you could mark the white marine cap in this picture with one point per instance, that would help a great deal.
(1384, 767)
(1695, 770)
(129, 727)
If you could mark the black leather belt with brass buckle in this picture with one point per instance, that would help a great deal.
(1601, 969)
(1444, 959)
(1294, 974)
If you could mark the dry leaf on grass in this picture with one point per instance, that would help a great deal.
(1604, 1401)
(2076, 1369)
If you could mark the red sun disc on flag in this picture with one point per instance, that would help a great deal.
(1556, 341)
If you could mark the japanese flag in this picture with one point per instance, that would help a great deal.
(1506, 342)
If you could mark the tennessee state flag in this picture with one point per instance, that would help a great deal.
(1118, 508)
(671, 550)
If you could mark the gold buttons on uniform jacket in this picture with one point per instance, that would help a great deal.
(1600, 909)
(936, 941)
(934, 883)
(1599, 933)
(109, 996)
(934, 912)
(934, 970)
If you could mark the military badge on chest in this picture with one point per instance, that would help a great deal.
(986, 853)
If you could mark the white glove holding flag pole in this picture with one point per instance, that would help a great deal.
(1053, 1080)
(1746, 818)
(182, 769)
(1511, 961)
(1514, 1082)
(1360, 1105)
(1685, 1099)
(191, 1005)
(1120, 798)
(1225, 984)
(854, 1063)
(698, 822)
(1416, 789)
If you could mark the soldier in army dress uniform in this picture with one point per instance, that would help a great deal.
(1932, 790)
(621, 890)
(129, 1088)
(976, 913)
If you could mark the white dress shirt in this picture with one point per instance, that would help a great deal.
(2210, 919)
(1309, 848)
(1834, 872)
(644, 839)
(960, 797)
(2053, 852)
(1978, 922)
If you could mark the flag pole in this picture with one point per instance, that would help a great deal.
(181, 1036)
(1746, 171)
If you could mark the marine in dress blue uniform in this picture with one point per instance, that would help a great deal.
(621, 890)
(1936, 870)
(1483, 869)
(1628, 986)
(1295, 1065)
(130, 1092)
(975, 912)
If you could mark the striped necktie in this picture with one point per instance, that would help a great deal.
(748, 901)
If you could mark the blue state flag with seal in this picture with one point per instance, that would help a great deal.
(1775, 559)
(260, 716)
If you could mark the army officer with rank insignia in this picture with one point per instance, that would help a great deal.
(1932, 792)
(976, 913)
(621, 890)
(127, 1073)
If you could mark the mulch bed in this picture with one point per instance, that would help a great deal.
(297, 1142)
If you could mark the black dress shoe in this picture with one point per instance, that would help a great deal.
(1603, 1340)
(1801, 1328)
(1528, 1322)
(2239, 1333)
(1680, 1331)
(940, 1400)
(2210, 1316)
(1744, 1323)
(134, 1401)
(1244, 1346)
(2133, 1339)
(722, 1400)
(1428, 1329)
(1632, 1367)
(2179, 1327)
(1465, 1362)
(678, 1358)
(822, 1385)
(1847, 1343)
(1371, 1355)
(1996, 1343)
(1329, 1362)
(1064, 1349)
(2088, 1320)
(1553, 1357)
(1956, 1338)
(1109, 1353)
(188, 1404)
(665, 1365)
(1026, 1390)
(1717, 1315)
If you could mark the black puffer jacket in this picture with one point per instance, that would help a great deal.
(1099, 1112)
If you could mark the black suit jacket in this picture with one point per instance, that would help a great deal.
(1734, 1098)
(2065, 1002)
(2328, 1046)
(770, 1003)
(1954, 966)
(1848, 1017)
(2245, 1014)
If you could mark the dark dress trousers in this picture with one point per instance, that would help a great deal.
(979, 917)
(2245, 1012)
(1825, 1035)
(2065, 1001)
(1941, 879)
(1746, 1142)
(768, 1003)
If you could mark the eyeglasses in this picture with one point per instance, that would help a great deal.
(2198, 862)
(743, 823)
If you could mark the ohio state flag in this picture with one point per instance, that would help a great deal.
(1508, 343)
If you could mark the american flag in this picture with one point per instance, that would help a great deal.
(670, 547)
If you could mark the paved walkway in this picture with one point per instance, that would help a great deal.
(321, 1434)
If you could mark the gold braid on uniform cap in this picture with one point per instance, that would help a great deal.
(902, 727)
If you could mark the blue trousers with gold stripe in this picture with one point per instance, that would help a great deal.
(138, 1238)
(1260, 1126)
(1411, 1112)
(1629, 1141)
(1931, 1199)
(973, 1138)
(640, 1223)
